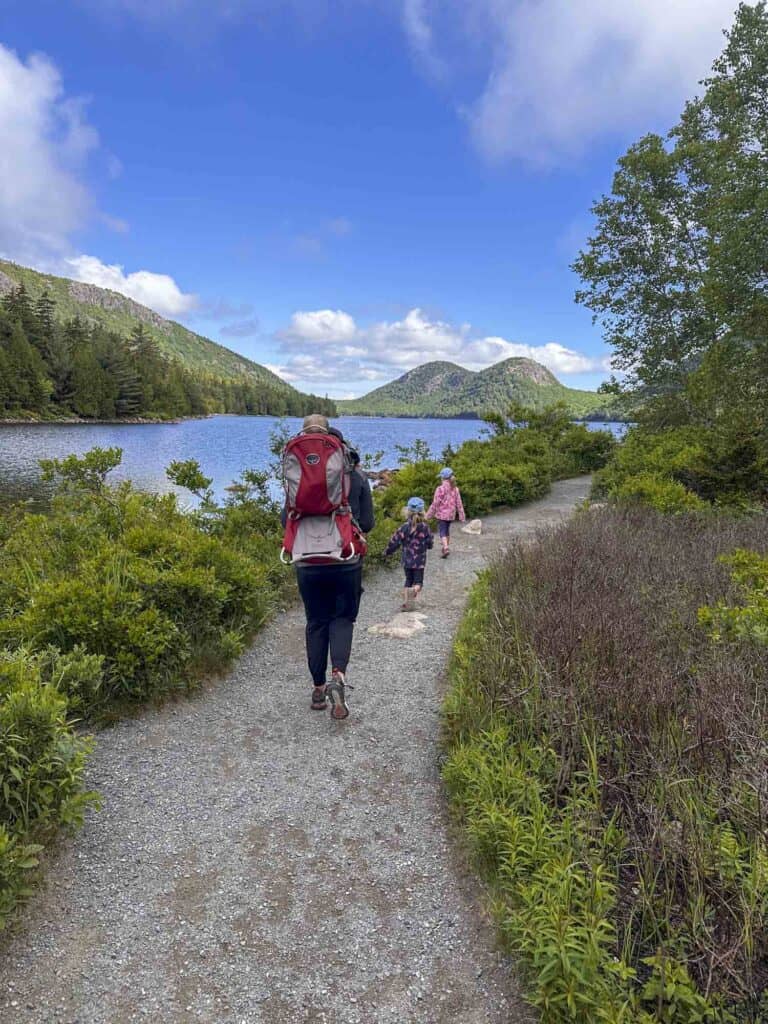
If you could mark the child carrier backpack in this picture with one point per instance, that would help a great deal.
(316, 478)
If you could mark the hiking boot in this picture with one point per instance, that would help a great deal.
(319, 702)
(336, 693)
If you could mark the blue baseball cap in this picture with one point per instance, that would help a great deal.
(446, 473)
(415, 505)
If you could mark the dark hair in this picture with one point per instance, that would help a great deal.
(336, 432)
(354, 456)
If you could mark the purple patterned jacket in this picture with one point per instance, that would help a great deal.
(415, 544)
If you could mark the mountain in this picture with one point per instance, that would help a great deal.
(444, 389)
(74, 351)
(120, 314)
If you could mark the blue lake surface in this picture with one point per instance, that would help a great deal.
(223, 445)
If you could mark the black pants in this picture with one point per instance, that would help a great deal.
(331, 596)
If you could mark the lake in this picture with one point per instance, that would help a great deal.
(223, 445)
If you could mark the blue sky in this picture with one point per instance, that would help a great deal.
(341, 189)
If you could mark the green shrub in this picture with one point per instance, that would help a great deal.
(581, 450)
(717, 452)
(748, 621)
(156, 593)
(417, 479)
(379, 537)
(660, 492)
(41, 765)
(18, 862)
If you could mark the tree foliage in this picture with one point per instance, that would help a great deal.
(679, 258)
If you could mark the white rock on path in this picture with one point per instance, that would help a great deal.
(400, 626)
(473, 526)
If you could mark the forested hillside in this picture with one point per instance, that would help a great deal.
(57, 368)
(446, 390)
(119, 314)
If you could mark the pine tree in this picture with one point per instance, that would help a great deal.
(47, 328)
(115, 359)
(29, 385)
(5, 382)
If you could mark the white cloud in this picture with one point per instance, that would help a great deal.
(556, 357)
(561, 74)
(329, 346)
(323, 325)
(158, 291)
(45, 141)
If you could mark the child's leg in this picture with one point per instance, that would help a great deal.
(408, 591)
(444, 528)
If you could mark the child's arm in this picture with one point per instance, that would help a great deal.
(394, 541)
(429, 539)
(460, 506)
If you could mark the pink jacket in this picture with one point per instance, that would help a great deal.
(446, 504)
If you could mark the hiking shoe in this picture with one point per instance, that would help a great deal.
(336, 692)
(319, 702)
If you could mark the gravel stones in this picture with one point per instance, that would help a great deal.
(256, 862)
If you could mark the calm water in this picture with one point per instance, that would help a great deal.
(223, 445)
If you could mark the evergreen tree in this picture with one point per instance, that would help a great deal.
(29, 385)
(93, 390)
(46, 326)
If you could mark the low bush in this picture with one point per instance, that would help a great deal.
(749, 619)
(607, 748)
(710, 436)
(660, 492)
(41, 765)
(158, 594)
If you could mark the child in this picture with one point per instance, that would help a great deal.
(446, 506)
(415, 538)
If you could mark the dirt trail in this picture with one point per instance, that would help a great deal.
(256, 863)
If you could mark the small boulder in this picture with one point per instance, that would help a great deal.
(401, 626)
(473, 526)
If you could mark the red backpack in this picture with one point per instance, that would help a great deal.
(316, 478)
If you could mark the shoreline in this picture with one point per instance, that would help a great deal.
(70, 421)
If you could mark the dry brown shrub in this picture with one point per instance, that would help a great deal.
(596, 637)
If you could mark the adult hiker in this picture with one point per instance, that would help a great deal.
(328, 509)
(446, 506)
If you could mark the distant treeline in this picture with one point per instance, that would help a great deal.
(51, 370)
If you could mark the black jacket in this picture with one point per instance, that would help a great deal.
(360, 501)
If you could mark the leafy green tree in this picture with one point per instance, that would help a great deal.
(679, 258)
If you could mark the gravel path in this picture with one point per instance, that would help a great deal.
(255, 862)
